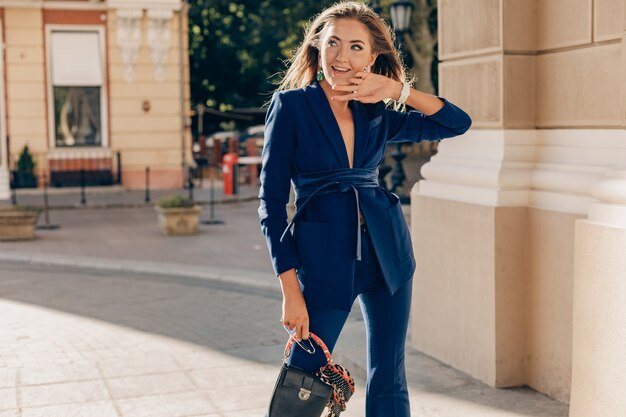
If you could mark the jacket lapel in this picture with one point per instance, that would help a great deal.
(325, 117)
(361, 132)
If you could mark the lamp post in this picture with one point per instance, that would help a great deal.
(400, 12)
(376, 7)
(209, 143)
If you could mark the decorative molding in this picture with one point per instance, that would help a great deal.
(129, 39)
(159, 37)
(486, 167)
(610, 190)
(552, 169)
(65, 5)
(175, 5)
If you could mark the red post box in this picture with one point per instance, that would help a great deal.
(229, 169)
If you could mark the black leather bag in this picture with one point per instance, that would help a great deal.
(299, 394)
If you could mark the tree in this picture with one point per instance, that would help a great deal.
(237, 49)
(422, 45)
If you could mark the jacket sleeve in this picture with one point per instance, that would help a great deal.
(275, 178)
(414, 126)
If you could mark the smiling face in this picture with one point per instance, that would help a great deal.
(345, 49)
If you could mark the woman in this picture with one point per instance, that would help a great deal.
(326, 131)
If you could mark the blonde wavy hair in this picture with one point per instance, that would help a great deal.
(302, 67)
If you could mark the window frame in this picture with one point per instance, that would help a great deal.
(104, 116)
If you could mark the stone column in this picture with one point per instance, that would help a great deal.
(599, 303)
(469, 215)
(494, 221)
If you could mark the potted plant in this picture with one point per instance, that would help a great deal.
(24, 173)
(178, 215)
(18, 222)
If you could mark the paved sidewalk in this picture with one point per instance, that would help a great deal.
(106, 317)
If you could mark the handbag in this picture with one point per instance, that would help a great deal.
(304, 394)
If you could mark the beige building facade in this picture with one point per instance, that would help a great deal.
(519, 228)
(95, 83)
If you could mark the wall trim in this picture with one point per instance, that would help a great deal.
(551, 169)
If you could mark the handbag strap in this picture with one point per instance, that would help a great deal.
(317, 340)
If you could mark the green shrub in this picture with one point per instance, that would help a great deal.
(175, 201)
(25, 163)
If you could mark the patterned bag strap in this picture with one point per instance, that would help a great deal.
(317, 340)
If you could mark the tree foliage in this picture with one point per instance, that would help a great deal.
(238, 48)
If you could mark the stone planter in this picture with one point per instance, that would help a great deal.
(18, 224)
(179, 221)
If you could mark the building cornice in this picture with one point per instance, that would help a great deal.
(174, 5)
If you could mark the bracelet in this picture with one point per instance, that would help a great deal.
(404, 94)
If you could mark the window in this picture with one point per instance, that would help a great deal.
(76, 70)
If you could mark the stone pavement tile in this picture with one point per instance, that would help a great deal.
(207, 415)
(51, 374)
(230, 400)
(255, 412)
(204, 359)
(72, 392)
(134, 365)
(166, 405)
(470, 402)
(7, 377)
(137, 386)
(234, 376)
(8, 398)
(95, 409)
(271, 354)
(10, 413)
(522, 401)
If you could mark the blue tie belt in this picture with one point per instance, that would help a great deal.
(333, 181)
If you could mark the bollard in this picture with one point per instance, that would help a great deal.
(119, 167)
(147, 196)
(210, 158)
(46, 225)
(13, 192)
(45, 201)
(190, 183)
(229, 169)
(83, 197)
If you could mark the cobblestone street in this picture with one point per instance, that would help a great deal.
(105, 317)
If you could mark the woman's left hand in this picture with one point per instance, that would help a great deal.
(367, 87)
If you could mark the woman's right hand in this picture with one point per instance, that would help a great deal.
(295, 314)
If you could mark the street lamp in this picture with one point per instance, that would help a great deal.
(400, 19)
(400, 12)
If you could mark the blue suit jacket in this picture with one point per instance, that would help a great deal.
(302, 136)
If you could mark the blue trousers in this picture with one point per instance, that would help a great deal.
(386, 320)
